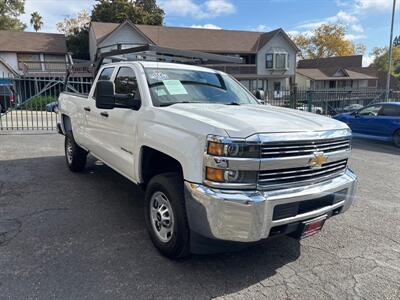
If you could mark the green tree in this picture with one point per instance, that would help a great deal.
(36, 21)
(325, 41)
(10, 10)
(137, 11)
(78, 43)
(381, 61)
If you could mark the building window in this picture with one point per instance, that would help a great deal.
(29, 62)
(280, 61)
(55, 62)
(332, 84)
(269, 61)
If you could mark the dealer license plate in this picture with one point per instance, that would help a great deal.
(313, 226)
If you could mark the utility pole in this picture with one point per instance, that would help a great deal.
(390, 54)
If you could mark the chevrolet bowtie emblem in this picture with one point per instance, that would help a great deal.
(318, 160)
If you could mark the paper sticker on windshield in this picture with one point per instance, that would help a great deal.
(158, 75)
(161, 92)
(175, 87)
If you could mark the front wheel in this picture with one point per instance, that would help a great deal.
(75, 156)
(396, 138)
(165, 215)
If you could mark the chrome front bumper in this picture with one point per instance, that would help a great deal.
(247, 216)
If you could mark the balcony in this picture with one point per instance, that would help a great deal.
(42, 67)
(235, 69)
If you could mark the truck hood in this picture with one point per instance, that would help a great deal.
(245, 120)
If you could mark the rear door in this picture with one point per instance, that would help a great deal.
(116, 128)
(92, 128)
(389, 117)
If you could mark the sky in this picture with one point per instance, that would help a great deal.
(366, 21)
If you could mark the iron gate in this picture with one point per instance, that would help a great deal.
(31, 103)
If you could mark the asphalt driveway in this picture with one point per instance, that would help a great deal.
(74, 236)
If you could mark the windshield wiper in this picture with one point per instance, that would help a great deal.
(172, 103)
(233, 103)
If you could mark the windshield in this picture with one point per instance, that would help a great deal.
(171, 86)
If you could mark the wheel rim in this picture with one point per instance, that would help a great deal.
(68, 151)
(162, 217)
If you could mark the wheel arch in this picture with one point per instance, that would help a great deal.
(154, 162)
(66, 125)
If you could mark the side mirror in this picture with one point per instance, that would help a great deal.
(105, 95)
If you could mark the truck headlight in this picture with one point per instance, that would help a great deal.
(230, 176)
(229, 148)
(231, 163)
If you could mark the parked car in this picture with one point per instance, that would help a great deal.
(352, 107)
(7, 97)
(52, 107)
(315, 109)
(215, 164)
(380, 121)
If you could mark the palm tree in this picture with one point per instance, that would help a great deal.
(36, 21)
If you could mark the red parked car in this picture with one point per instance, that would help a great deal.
(7, 97)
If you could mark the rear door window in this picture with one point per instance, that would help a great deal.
(390, 111)
(104, 75)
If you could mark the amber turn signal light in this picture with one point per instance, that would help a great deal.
(216, 149)
(215, 174)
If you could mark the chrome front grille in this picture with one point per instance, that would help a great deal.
(288, 149)
(302, 175)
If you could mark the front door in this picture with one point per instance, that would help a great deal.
(366, 120)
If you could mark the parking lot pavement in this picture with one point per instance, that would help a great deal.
(72, 236)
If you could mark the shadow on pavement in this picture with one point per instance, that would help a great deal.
(375, 146)
(83, 235)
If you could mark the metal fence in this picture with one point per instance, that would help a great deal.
(28, 103)
(328, 102)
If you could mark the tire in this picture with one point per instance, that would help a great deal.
(396, 138)
(75, 156)
(165, 199)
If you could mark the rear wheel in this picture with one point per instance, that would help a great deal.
(75, 156)
(165, 215)
(396, 138)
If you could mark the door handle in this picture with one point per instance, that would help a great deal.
(87, 108)
(104, 114)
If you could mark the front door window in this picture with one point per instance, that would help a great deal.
(372, 110)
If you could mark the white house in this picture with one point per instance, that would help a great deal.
(32, 54)
(269, 57)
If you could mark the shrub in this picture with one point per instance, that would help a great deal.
(38, 103)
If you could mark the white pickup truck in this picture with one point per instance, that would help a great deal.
(219, 169)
